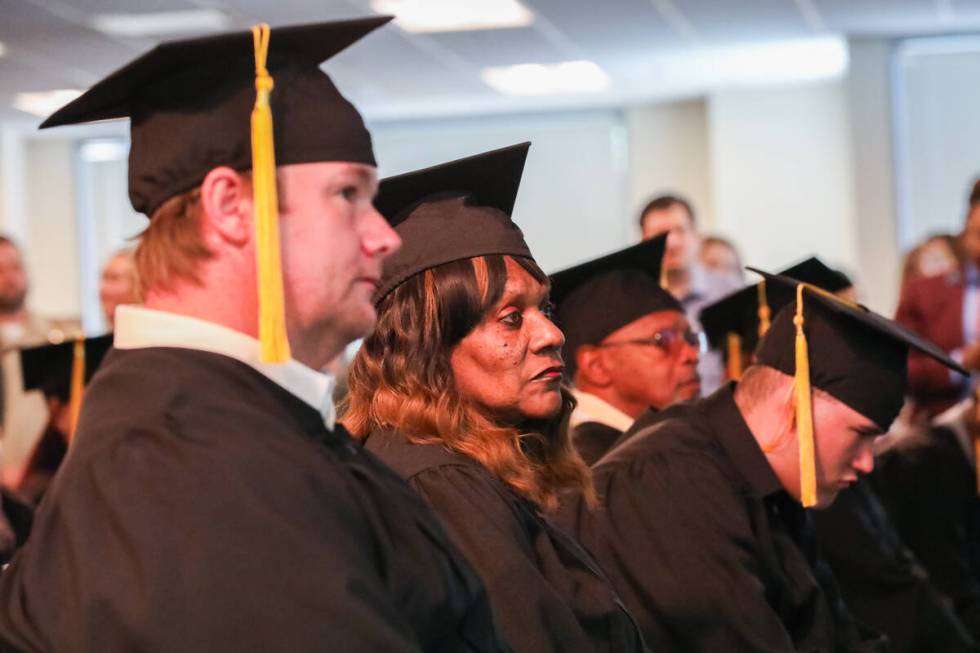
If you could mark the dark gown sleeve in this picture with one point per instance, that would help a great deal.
(233, 589)
(930, 494)
(672, 532)
(881, 582)
(592, 440)
(486, 526)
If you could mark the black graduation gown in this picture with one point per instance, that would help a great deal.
(593, 439)
(706, 548)
(202, 507)
(547, 592)
(879, 578)
(929, 488)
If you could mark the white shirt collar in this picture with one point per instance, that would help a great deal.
(137, 327)
(591, 408)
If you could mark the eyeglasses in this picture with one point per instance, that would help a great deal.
(669, 341)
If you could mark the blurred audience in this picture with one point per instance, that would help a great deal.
(945, 308)
(719, 254)
(118, 284)
(684, 276)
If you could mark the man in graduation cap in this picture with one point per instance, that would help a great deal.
(701, 523)
(879, 579)
(628, 344)
(208, 501)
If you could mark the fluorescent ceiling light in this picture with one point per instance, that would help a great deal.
(547, 79)
(454, 15)
(160, 23)
(46, 102)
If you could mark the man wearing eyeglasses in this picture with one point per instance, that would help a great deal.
(628, 344)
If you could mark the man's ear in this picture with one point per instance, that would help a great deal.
(591, 368)
(226, 203)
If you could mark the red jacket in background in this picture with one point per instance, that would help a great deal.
(933, 308)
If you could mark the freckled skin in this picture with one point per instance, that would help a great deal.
(497, 365)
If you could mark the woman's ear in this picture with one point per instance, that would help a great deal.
(226, 203)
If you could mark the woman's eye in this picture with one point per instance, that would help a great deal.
(512, 319)
(548, 308)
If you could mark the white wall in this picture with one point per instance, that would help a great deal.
(669, 153)
(781, 173)
(937, 133)
(50, 238)
(770, 167)
(572, 203)
(874, 188)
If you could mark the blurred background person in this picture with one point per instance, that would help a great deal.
(117, 284)
(684, 276)
(23, 414)
(721, 255)
(945, 308)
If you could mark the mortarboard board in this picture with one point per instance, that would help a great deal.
(189, 103)
(63, 370)
(859, 358)
(737, 321)
(201, 103)
(596, 297)
(452, 211)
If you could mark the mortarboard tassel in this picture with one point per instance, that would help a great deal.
(734, 356)
(764, 312)
(804, 410)
(272, 319)
(77, 387)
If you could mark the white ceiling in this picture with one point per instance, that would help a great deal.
(650, 48)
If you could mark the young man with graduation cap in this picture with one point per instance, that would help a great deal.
(878, 578)
(700, 521)
(459, 390)
(208, 502)
(628, 344)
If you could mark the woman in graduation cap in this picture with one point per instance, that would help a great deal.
(459, 390)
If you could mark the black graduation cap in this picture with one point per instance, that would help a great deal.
(452, 211)
(846, 350)
(189, 103)
(49, 367)
(738, 312)
(595, 298)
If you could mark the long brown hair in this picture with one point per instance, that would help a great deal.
(402, 379)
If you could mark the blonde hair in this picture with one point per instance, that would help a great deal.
(401, 378)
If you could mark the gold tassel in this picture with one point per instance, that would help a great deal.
(804, 410)
(764, 312)
(734, 356)
(77, 388)
(272, 318)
